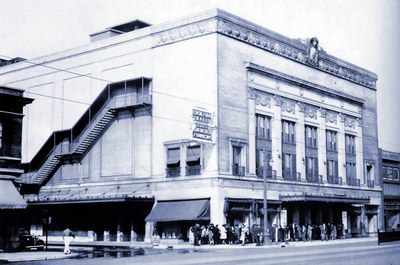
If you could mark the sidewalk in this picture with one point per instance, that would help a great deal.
(34, 255)
(279, 245)
(56, 252)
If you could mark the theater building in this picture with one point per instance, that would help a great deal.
(151, 128)
(391, 188)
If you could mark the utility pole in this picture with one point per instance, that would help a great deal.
(265, 206)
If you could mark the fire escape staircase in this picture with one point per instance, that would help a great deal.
(65, 146)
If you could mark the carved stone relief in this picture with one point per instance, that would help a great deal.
(263, 100)
(331, 117)
(310, 112)
(293, 49)
(349, 122)
(288, 106)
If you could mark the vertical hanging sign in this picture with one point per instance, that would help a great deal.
(202, 125)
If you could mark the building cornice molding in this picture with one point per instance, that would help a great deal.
(302, 83)
(218, 21)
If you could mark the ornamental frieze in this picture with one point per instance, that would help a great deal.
(331, 117)
(288, 106)
(309, 54)
(349, 122)
(310, 112)
(263, 100)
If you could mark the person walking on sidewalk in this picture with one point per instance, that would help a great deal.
(68, 236)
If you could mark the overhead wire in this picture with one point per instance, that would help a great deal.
(153, 92)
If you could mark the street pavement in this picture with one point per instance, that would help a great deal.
(349, 251)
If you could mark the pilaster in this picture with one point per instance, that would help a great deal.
(300, 141)
(321, 141)
(277, 136)
(341, 149)
(252, 136)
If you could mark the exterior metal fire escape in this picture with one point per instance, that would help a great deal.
(72, 144)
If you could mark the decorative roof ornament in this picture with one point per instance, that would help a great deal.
(313, 51)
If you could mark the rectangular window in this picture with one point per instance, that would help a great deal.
(350, 144)
(263, 127)
(351, 170)
(332, 168)
(289, 166)
(262, 163)
(311, 136)
(331, 141)
(237, 168)
(396, 174)
(288, 132)
(312, 169)
(173, 162)
(1, 135)
(384, 173)
(389, 173)
(193, 155)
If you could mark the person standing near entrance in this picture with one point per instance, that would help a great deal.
(67, 237)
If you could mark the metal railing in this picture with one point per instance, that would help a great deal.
(334, 180)
(313, 178)
(173, 171)
(352, 181)
(193, 170)
(370, 183)
(238, 170)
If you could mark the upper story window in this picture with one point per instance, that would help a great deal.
(288, 132)
(263, 127)
(390, 173)
(350, 144)
(311, 136)
(193, 165)
(238, 168)
(173, 162)
(331, 140)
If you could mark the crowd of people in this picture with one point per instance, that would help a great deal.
(213, 234)
(296, 232)
(241, 234)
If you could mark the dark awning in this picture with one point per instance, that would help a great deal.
(9, 195)
(191, 210)
(324, 198)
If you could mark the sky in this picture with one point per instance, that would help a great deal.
(363, 32)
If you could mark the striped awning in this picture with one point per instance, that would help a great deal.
(9, 195)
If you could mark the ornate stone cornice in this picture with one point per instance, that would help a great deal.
(218, 21)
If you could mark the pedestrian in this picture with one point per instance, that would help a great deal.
(237, 234)
(210, 233)
(223, 235)
(310, 232)
(68, 236)
(243, 233)
(196, 234)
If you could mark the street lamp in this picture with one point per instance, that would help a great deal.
(265, 208)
